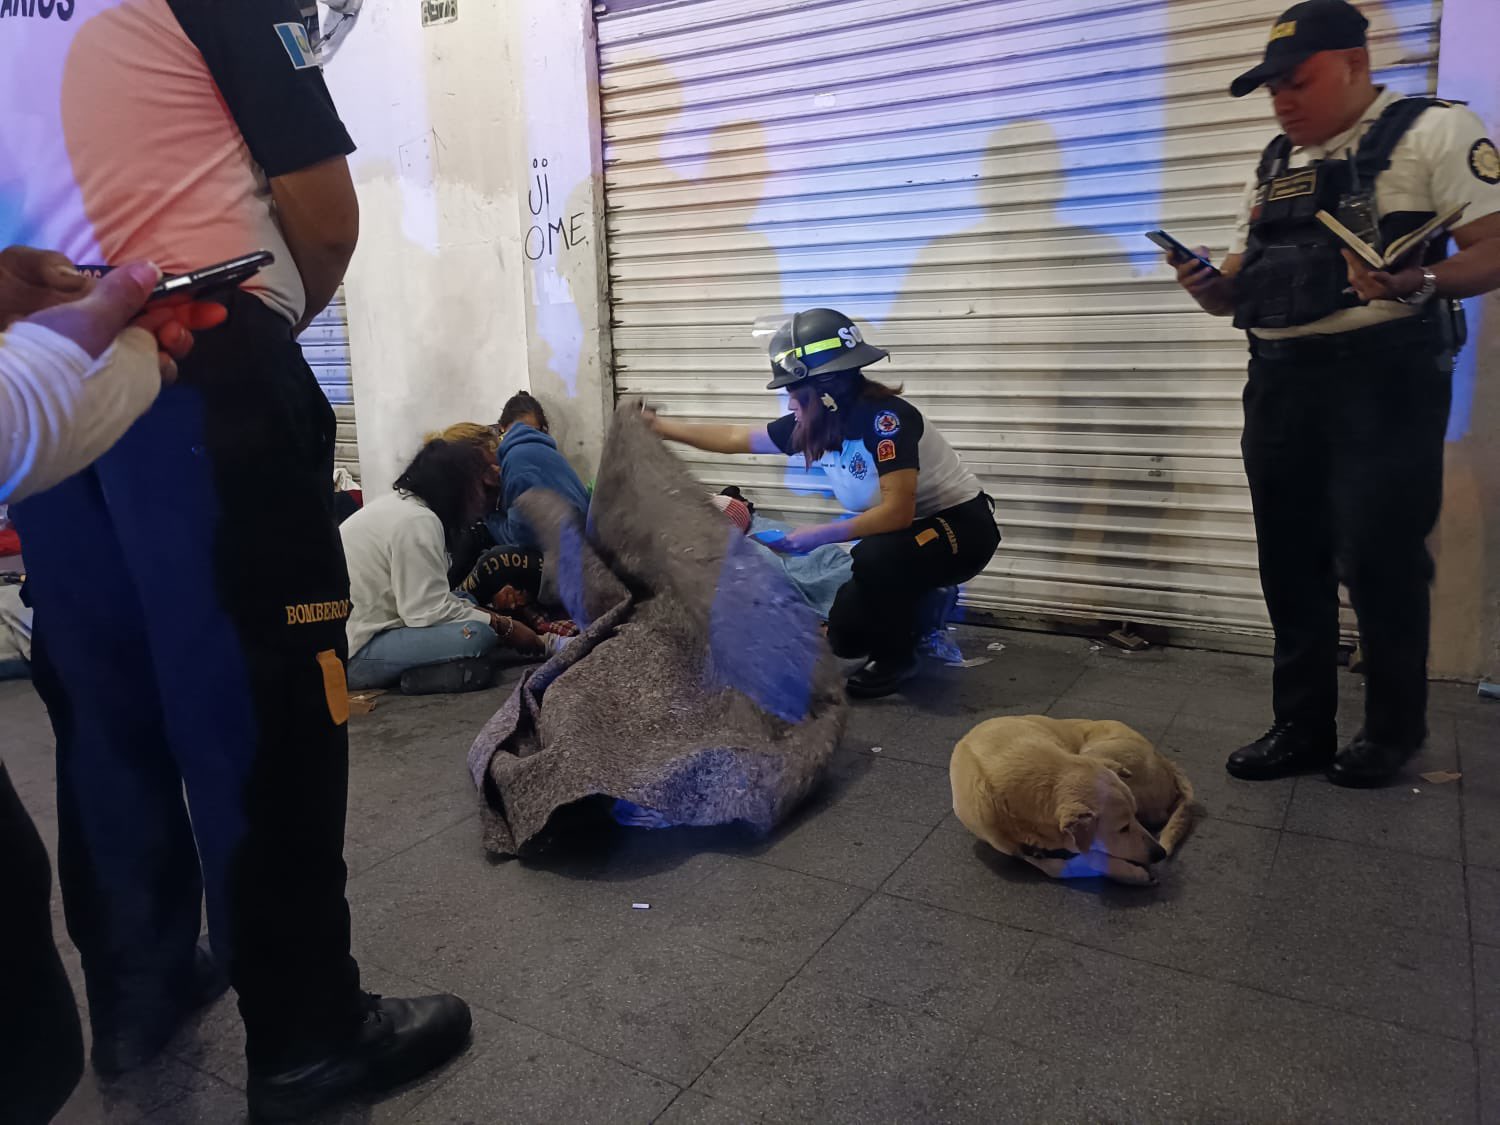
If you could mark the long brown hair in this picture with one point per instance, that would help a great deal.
(443, 476)
(819, 429)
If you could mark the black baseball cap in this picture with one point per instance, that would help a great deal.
(1301, 32)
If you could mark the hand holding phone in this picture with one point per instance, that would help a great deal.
(1177, 253)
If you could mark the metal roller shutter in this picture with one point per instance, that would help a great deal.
(971, 179)
(325, 343)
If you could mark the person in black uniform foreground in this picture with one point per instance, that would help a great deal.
(1350, 378)
(922, 521)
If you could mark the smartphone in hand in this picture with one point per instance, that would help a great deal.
(1177, 250)
(215, 279)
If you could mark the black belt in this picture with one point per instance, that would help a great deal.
(1409, 332)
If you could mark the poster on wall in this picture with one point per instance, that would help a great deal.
(439, 11)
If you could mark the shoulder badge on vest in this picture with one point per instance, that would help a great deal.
(1484, 161)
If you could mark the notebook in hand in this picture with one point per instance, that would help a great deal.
(1397, 253)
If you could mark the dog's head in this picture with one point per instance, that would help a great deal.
(1096, 811)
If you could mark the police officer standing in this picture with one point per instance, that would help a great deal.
(1350, 378)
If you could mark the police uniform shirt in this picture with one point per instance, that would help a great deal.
(150, 128)
(1444, 159)
(884, 435)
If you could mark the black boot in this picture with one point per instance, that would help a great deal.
(1284, 750)
(119, 1051)
(1366, 764)
(399, 1041)
(882, 677)
(451, 677)
(935, 608)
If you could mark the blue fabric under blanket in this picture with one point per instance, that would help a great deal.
(817, 576)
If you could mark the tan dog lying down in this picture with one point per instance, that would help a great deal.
(1070, 796)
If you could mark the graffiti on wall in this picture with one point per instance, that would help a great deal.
(548, 235)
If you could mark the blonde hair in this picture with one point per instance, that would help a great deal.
(474, 433)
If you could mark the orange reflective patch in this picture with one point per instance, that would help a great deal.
(926, 537)
(335, 686)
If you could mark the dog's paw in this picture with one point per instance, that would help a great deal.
(1131, 874)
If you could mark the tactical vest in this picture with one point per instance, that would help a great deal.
(1293, 272)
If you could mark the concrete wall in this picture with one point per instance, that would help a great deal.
(1466, 619)
(463, 288)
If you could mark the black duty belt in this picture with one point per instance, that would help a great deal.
(1362, 343)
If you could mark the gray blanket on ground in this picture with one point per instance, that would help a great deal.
(700, 686)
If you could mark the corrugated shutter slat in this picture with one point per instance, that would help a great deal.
(325, 344)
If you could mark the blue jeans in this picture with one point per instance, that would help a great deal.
(386, 655)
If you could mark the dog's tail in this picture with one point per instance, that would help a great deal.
(1184, 814)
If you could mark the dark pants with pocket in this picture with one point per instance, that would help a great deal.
(190, 596)
(875, 612)
(1344, 453)
(41, 1038)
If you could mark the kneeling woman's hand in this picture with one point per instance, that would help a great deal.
(515, 635)
(802, 541)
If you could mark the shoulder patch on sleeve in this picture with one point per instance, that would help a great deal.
(297, 46)
(887, 423)
(886, 451)
(1484, 161)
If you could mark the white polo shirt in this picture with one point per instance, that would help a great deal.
(886, 435)
(1443, 160)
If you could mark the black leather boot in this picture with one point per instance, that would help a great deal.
(452, 677)
(399, 1041)
(1284, 750)
(882, 677)
(1366, 764)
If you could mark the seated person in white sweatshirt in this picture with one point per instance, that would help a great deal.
(405, 625)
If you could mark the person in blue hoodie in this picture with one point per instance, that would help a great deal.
(529, 459)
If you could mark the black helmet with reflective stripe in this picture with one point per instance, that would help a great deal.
(818, 343)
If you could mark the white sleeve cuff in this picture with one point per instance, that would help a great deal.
(61, 410)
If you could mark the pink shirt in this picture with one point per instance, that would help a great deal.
(148, 129)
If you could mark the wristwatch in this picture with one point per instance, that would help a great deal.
(1424, 294)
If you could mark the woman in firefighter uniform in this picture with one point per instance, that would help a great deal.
(1350, 379)
(921, 520)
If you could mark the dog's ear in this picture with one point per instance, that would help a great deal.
(1079, 823)
(1114, 767)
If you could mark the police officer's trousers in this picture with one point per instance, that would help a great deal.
(1344, 454)
(874, 613)
(190, 597)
